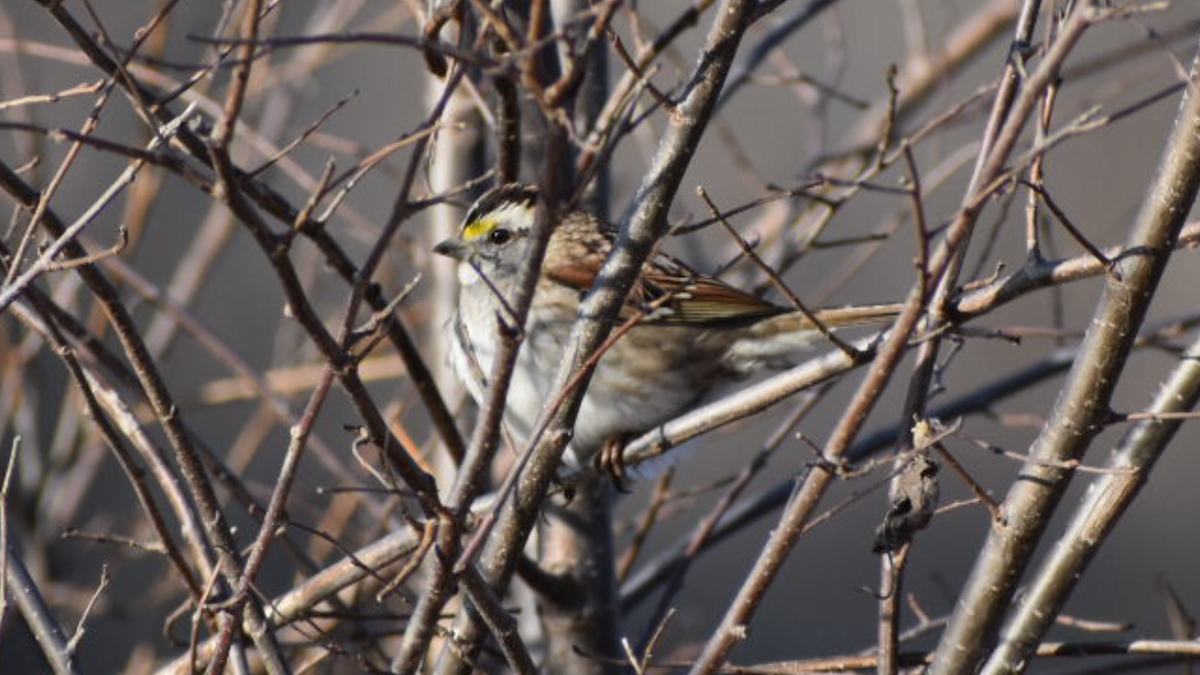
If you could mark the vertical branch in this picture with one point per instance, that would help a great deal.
(890, 591)
(484, 441)
(599, 309)
(5, 484)
(455, 157)
(241, 77)
(580, 615)
(589, 104)
(576, 541)
(985, 171)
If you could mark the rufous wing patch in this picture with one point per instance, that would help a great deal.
(694, 298)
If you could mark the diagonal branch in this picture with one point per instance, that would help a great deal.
(1082, 407)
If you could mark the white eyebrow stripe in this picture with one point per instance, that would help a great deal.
(510, 210)
(505, 212)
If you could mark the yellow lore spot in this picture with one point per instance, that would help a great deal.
(478, 229)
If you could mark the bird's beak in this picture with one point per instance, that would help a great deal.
(451, 248)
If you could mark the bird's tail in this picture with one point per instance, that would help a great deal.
(780, 341)
(838, 317)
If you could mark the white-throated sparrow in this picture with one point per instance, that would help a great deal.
(697, 331)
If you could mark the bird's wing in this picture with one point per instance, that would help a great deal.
(670, 292)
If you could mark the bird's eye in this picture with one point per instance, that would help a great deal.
(499, 236)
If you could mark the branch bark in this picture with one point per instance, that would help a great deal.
(1082, 407)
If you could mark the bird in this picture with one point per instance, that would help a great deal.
(691, 333)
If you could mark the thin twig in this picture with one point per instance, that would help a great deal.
(80, 627)
(9, 466)
(1078, 236)
(776, 280)
(114, 250)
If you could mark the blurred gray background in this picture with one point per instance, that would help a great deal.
(821, 605)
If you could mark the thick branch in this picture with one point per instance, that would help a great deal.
(1082, 407)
